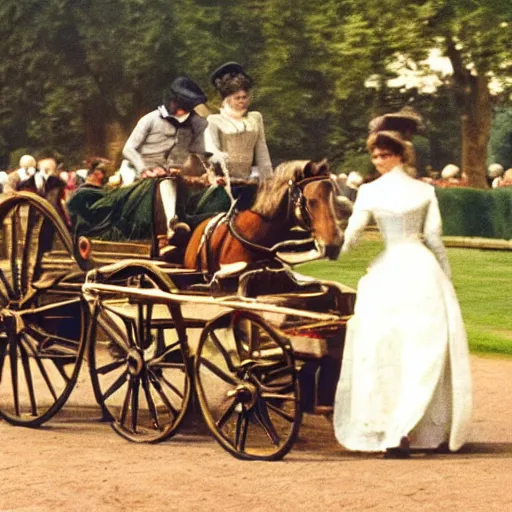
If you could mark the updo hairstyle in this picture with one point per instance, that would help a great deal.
(230, 84)
(392, 142)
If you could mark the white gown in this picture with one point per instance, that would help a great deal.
(405, 368)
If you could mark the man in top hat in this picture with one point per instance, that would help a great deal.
(163, 139)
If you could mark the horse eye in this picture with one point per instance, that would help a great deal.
(312, 203)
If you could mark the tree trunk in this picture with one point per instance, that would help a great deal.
(476, 127)
(116, 135)
(94, 130)
(475, 100)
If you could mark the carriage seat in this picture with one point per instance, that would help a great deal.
(273, 281)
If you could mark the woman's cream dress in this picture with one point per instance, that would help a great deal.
(406, 365)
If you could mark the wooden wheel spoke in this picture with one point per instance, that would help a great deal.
(42, 369)
(13, 356)
(27, 249)
(8, 289)
(113, 331)
(280, 412)
(142, 326)
(223, 351)
(282, 387)
(166, 358)
(158, 388)
(59, 364)
(279, 371)
(3, 349)
(279, 396)
(242, 426)
(28, 378)
(139, 326)
(114, 365)
(261, 415)
(147, 324)
(226, 415)
(218, 372)
(150, 401)
(15, 271)
(171, 386)
(135, 403)
(117, 384)
(131, 332)
(126, 402)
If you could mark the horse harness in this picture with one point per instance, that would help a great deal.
(297, 207)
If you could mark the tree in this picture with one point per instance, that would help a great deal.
(77, 74)
(474, 35)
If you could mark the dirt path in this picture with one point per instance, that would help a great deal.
(77, 463)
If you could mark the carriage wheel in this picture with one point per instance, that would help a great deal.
(139, 361)
(42, 326)
(247, 387)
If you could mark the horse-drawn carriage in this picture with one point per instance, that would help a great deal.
(254, 345)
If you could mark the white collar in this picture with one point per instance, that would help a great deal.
(230, 112)
(162, 109)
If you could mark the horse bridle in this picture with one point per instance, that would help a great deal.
(297, 202)
(297, 206)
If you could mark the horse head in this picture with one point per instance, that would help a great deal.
(317, 210)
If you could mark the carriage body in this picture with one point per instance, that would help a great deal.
(155, 334)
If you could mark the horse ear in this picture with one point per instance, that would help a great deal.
(310, 169)
(323, 167)
(316, 168)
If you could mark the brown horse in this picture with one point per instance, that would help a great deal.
(299, 194)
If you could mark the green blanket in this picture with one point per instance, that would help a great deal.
(127, 213)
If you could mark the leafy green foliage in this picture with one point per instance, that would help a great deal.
(72, 70)
(500, 142)
(479, 213)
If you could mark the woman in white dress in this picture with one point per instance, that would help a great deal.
(236, 136)
(405, 380)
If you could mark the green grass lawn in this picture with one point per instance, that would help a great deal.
(482, 279)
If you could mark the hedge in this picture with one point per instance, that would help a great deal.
(475, 212)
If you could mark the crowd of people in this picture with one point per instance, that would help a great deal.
(405, 380)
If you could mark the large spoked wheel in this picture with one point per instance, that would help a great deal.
(247, 386)
(138, 360)
(42, 323)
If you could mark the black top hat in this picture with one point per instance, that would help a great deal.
(229, 68)
(187, 93)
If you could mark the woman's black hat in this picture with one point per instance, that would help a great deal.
(229, 68)
(406, 121)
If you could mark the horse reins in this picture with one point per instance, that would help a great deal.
(297, 205)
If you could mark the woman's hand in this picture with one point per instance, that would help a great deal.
(174, 171)
(153, 173)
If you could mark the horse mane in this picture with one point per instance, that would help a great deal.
(272, 191)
